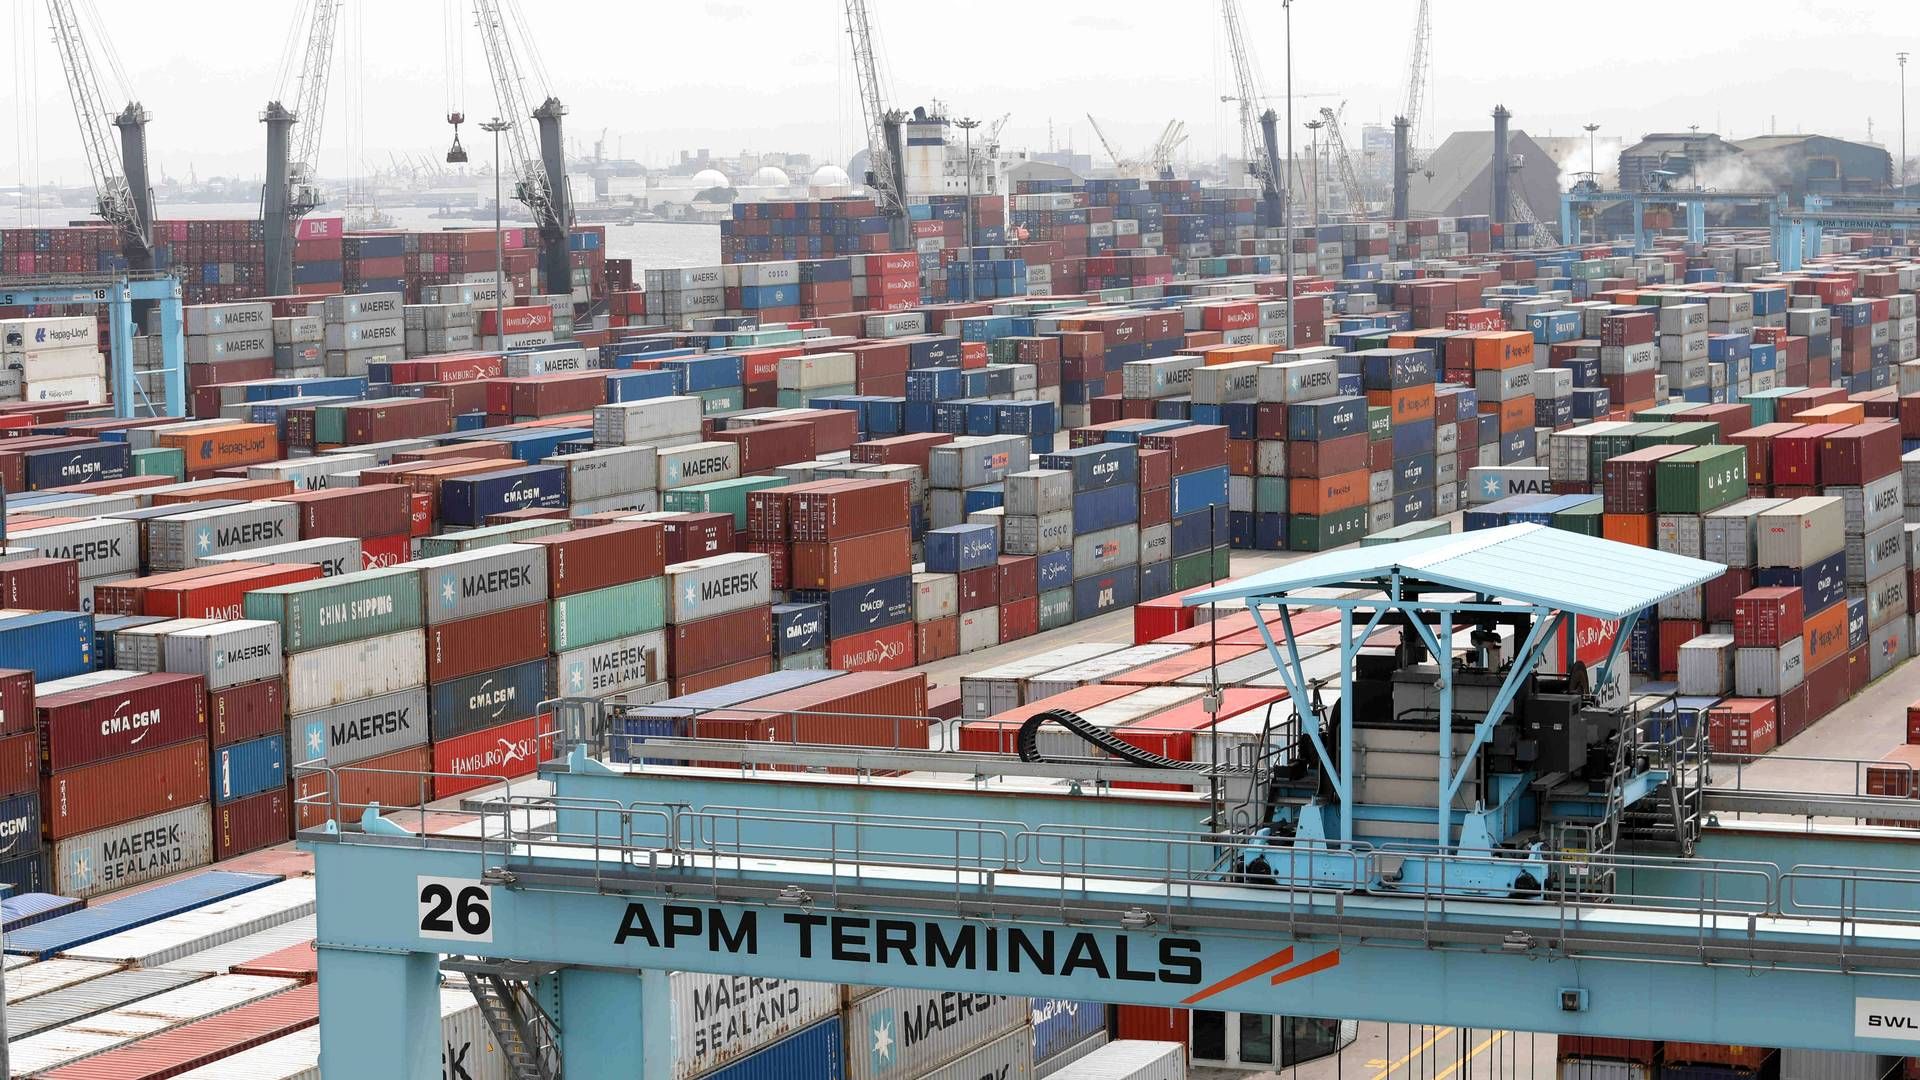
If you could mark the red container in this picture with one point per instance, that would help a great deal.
(914, 450)
(201, 1042)
(252, 823)
(721, 676)
(1150, 1023)
(392, 780)
(379, 551)
(1190, 449)
(1752, 1058)
(891, 649)
(484, 757)
(1793, 712)
(16, 702)
(403, 418)
(1673, 634)
(1913, 724)
(979, 588)
(767, 509)
(1019, 577)
(1744, 725)
(1717, 596)
(293, 962)
(124, 788)
(1633, 328)
(530, 319)
(547, 395)
(1639, 1051)
(587, 559)
(223, 595)
(1861, 453)
(474, 448)
(95, 723)
(696, 535)
(19, 764)
(248, 711)
(1759, 444)
(1019, 618)
(41, 584)
(1897, 774)
(834, 430)
(862, 708)
(723, 640)
(368, 510)
(765, 447)
(1767, 618)
(859, 508)
(1156, 468)
(484, 642)
(1796, 454)
(1628, 479)
(856, 561)
(1329, 458)
(936, 640)
(128, 595)
(1829, 686)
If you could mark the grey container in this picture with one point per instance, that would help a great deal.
(921, 1030)
(1768, 672)
(1602, 1069)
(202, 319)
(1801, 532)
(1033, 492)
(255, 344)
(973, 460)
(1679, 534)
(645, 421)
(696, 463)
(1877, 504)
(107, 860)
(1730, 534)
(717, 585)
(1010, 1057)
(1166, 376)
(1156, 544)
(334, 555)
(1706, 665)
(611, 667)
(173, 543)
(364, 306)
(1099, 552)
(1880, 552)
(1887, 598)
(612, 470)
(935, 596)
(486, 536)
(217, 959)
(1023, 535)
(1837, 1065)
(142, 648)
(357, 730)
(469, 583)
(104, 548)
(310, 473)
(63, 1007)
(321, 678)
(226, 653)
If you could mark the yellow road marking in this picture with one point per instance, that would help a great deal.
(1411, 1054)
(1471, 1054)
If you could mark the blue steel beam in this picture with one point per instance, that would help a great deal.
(1524, 660)
(118, 295)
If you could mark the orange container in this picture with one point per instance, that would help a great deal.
(1327, 494)
(1409, 404)
(1823, 637)
(1635, 529)
(1231, 354)
(1840, 412)
(1498, 350)
(224, 446)
(244, 490)
(1516, 413)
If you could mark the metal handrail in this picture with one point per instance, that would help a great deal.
(1738, 764)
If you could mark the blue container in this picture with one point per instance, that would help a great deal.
(1025, 418)
(1856, 622)
(1196, 491)
(814, 1053)
(23, 907)
(249, 768)
(984, 497)
(1824, 584)
(677, 716)
(1156, 579)
(933, 384)
(857, 608)
(1055, 570)
(532, 445)
(20, 825)
(1200, 531)
(1060, 1024)
(696, 373)
(1098, 594)
(1395, 369)
(638, 385)
(64, 932)
(959, 548)
(1519, 445)
(799, 628)
(68, 465)
(470, 500)
(1105, 508)
(1412, 474)
(1102, 465)
(1328, 418)
(980, 418)
(51, 644)
(1591, 402)
(487, 698)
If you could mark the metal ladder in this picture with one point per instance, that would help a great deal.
(524, 1031)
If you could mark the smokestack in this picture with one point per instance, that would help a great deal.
(1402, 167)
(1501, 201)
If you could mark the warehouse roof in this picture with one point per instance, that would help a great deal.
(1557, 569)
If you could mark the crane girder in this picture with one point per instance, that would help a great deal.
(116, 203)
(1417, 69)
(1349, 179)
(310, 107)
(1247, 86)
(529, 173)
(873, 108)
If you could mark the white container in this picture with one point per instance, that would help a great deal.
(719, 1019)
(469, 583)
(88, 390)
(226, 653)
(1129, 1059)
(547, 361)
(194, 931)
(614, 470)
(383, 333)
(1034, 492)
(45, 976)
(914, 1031)
(148, 1016)
(813, 371)
(364, 306)
(20, 335)
(1058, 742)
(1067, 677)
(173, 543)
(1004, 686)
(311, 473)
(1300, 380)
(318, 678)
(298, 330)
(218, 959)
(204, 319)
(1165, 376)
(1730, 535)
(979, 629)
(254, 344)
(334, 555)
(46, 365)
(1769, 672)
(696, 463)
(104, 548)
(935, 596)
(646, 421)
(470, 1052)
(1802, 531)
(973, 460)
(611, 667)
(1706, 665)
(718, 584)
(356, 730)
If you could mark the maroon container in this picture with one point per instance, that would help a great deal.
(722, 640)
(1635, 328)
(396, 779)
(124, 788)
(1859, 671)
(530, 513)
(483, 642)
(776, 552)
(587, 559)
(95, 723)
(19, 764)
(368, 510)
(860, 708)
(1829, 686)
(1019, 577)
(1627, 479)
(1200, 446)
(1156, 506)
(913, 450)
(765, 447)
(476, 448)
(768, 508)
(834, 430)
(1717, 597)
(721, 676)
(696, 535)
(1329, 458)
(1759, 444)
(979, 588)
(1156, 469)
(856, 561)
(1860, 454)
(1641, 1051)
(461, 397)
(1767, 618)
(410, 418)
(41, 584)
(1020, 618)
(939, 639)
(547, 395)
(247, 711)
(859, 508)
(252, 823)
(128, 595)
(16, 702)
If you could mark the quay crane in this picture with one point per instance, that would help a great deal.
(292, 188)
(539, 168)
(124, 198)
(886, 178)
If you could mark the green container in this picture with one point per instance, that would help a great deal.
(1201, 568)
(1379, 423)
(1612, 444)
(1766, 403)
(1700, 480)
(760, 339)
(1658, 414)
(1692, 433)
(161, 461)
(726, 399)
(719, 497)
(512, 532)
(327, 611)
(1648, 434)
(1583, 519)
(330, 423)
(1324, 532)
(1056, 609)
(1270, 494)
(590, 618)
(798, 399)
(1412, 530)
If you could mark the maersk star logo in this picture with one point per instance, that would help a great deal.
(82, 871)
(1490, 486)
(204, 540)
(691, 596)
(447, 593)
(316, 740)
(219, 660)
(576, 677)
(673, 471)
(880, 1053)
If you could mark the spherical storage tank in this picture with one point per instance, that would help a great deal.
(830, 176)
(769, 176)
(710, 178)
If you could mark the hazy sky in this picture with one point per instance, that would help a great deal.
(776, 75)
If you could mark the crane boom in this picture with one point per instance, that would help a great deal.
(1247, 89)
(1349, 179)
(882, 178)
(1119, 162)
(539, 175)
(292, 189)
(1417, 69)
(121, 202)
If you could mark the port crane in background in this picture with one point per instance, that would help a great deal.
(1172, 138)
(292, 190)
(1158, 161)
(539, 169)
(125, 198)
(1418, 74)
(1343, 162)
(1258, 145)
(885, 180)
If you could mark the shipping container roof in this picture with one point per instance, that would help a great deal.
(1536, 564)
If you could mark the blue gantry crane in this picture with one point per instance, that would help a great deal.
(1437, 830)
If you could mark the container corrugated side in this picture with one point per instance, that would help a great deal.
(718, 1019)
(915, 1031)
(123, 789)
(329, 611)
(1049, 1066)
(162, 1012)
(203, 928)
(1009, 1057)
(1130, 1059)
(321, 678)
(471, 1053)
(223, 958)
(52, 1011)
(469, 583)
(45, 976)
(357, 730)
(149, 905)
(817, 1053)
(207, 1039)
(119, 856)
